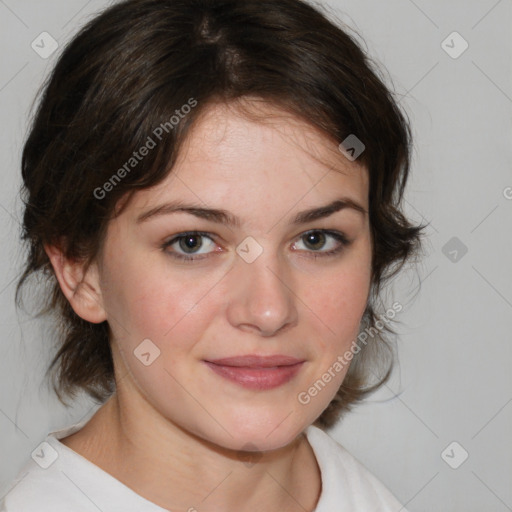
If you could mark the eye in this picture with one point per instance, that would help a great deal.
(194, 245)
(187, 245)
(319, 239)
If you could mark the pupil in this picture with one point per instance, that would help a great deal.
(315, 236)
(187, 243)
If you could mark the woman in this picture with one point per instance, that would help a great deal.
(213, 190)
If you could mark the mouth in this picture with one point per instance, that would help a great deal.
(257, 372)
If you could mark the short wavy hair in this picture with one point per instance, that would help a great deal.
(128, 71)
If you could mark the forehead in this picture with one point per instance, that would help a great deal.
(250, 149)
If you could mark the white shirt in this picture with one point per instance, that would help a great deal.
(57, 479)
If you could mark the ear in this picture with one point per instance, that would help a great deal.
(81, 287)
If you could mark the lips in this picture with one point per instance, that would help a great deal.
(257, 372)
(253, 361)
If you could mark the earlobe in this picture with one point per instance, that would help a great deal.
(79, 285)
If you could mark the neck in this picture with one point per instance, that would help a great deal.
(177, 470)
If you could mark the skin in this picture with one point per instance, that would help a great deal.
(175, 431)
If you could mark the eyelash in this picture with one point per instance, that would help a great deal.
(339, 237)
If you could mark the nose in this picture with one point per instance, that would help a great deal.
(261, 298)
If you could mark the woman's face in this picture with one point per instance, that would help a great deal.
(263, 279)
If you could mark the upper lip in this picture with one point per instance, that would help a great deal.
(254, 361)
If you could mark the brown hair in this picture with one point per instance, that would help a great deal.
(132, 68)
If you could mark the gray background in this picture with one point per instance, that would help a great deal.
(453, 379)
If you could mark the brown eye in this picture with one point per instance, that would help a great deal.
(190, 243)
(186, 246)
(332, 242)
(315, 240)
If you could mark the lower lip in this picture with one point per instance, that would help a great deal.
(257, 378)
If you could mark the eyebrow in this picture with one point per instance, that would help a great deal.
(224, 217)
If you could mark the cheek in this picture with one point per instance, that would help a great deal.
(149, 301)
(167, 309)
(338, 301)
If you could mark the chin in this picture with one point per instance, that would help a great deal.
(254, 433)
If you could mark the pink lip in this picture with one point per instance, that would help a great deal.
(257, 372)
